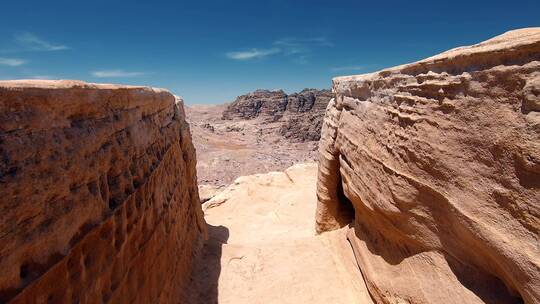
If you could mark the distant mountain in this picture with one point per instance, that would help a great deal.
(301, 113)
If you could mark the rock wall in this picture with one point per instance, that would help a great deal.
(98, 196)
(304, 115)
(300, 114)
(265, 103)
(440, 162)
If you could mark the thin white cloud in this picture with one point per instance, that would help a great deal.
(298, 49)
(302, 59)
(349, 68)
(294, 42)
(36, 43)
(252, 54)
(115, 73)
(12, 61)
(301, 48)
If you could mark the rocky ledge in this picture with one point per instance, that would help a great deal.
(98, 196)
(437, 165)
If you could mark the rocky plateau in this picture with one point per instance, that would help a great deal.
(259, 132)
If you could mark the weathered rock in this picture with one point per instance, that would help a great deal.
(207, 192)
(98, 196)
(269, 104)
(440, 160)
(209, 127)
(308, 100)
(302, 127)
(300, 114)
(304, 116)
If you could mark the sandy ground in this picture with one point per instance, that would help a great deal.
(263, 248)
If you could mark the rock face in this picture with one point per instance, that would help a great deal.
(437, 164)
(98, 194)
(264, 103)
(300, 114)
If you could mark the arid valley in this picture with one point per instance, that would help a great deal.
(412, 184)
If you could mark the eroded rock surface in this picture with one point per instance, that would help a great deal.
(300, 114)
(265, 103)
(440, 160)
(98, 196)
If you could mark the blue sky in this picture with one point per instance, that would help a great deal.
(212, 51)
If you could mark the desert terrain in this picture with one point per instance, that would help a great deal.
(227, 149)
(259, 132)
(414, 184)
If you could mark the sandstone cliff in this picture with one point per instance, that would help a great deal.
(98, 196)
(300, 114)
(437, 164)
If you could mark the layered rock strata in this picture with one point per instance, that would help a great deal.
(98, 196)
(437, 166)
(264, 103)
(300, 115)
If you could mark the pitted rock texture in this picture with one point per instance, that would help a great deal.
(437, 164)
(98, 194)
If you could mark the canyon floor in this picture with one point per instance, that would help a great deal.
(227, 149)
(262, 246)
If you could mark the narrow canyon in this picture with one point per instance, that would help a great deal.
(415, 184)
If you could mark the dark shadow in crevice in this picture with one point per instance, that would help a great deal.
(345, 211)
(341, 208)
(207, 268)
(487, 287)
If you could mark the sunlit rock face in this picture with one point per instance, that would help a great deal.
(437, 166)
(299, 115)
(270, 104)
(98, 194)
